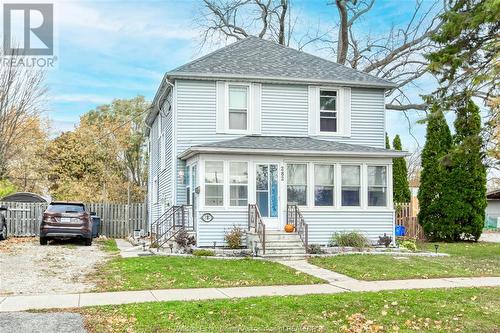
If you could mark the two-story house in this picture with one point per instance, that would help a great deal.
(259, 135)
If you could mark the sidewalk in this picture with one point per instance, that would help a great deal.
(21, 303)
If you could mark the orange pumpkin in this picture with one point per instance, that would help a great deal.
(289, 228)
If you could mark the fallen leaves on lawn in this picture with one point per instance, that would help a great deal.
(358, 323)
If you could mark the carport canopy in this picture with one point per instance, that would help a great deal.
(24, 197)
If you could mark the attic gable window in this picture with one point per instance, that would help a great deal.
(328, 111)
(238, 107)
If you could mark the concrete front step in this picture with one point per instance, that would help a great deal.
(285, 244)
(292, 256)
(285, 250)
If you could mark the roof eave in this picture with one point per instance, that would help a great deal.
(273, 79)
(190, 152)
(153, 109)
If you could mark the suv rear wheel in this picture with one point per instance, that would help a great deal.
(43, 240)
(88, 241)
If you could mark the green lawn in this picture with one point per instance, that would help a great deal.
(466, 259)
(439, 310)
(108, 245)
(159, 272)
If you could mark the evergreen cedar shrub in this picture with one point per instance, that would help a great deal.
(452, 193)
(431, 194)
(349, 239)
(233, 237)
(401, 188)
(203, 253)
(387, 142)
(465, 195)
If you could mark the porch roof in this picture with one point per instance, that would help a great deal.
(289, 146)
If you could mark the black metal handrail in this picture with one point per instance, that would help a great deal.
(294, 217)
(170, 223)
(255, 221)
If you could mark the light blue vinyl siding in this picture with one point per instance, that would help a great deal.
(284, 110)
(223, 221)
(154, 169)
(323, 224)
(195, 121)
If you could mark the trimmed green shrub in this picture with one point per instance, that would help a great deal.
(407, 243)
(203, 253)
(349, 239)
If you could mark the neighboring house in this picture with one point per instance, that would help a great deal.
(493, 208)
(257, 124)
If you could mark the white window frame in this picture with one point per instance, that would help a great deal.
(223, 183)
(307, 184)
(227, 108)
(337, 111)
(335, 170)
(238, 184)
(362, 186)
(387, 197)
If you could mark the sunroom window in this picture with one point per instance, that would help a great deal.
(238, 183)
(214, 183)
(297, 184)
(238, 107)
(328, 111)
(351, 184)
(377, 186)
(324, 185)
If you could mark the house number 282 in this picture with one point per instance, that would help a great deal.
(282, 174)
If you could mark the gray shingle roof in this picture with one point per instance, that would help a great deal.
(255, 58)
(289, 145)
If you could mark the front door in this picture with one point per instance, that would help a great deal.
(267, 194)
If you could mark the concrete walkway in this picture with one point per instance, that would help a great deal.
(21, 303)
(325, 274)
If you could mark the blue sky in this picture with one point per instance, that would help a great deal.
(121, 49)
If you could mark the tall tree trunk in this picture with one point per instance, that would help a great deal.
(343, 40)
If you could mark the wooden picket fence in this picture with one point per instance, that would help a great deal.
(117, 220)
(406, 216)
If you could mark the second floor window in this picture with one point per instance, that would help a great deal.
(238, 107)
(328, 111)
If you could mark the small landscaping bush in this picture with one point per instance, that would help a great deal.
(385, 240)
(349, 239)
(233, 237)
(407, 243)
(315, 249)
(184, 240)
(203, 253)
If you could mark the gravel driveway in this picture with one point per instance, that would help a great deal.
(29, 268)
(24, 322)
